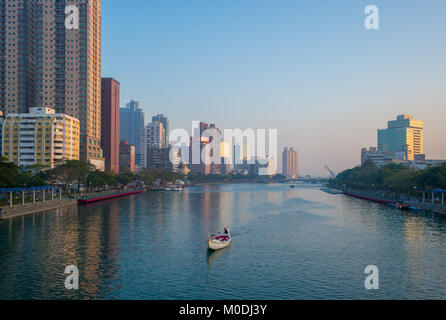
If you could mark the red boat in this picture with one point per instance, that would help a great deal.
(102, 198)
(370, 198)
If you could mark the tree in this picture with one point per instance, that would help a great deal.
(71, 171)
(100, 179)
(393, 176)
(9, 174)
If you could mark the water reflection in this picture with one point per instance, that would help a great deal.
(213, 256)
(289, 244)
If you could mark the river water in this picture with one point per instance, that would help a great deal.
(288, 243)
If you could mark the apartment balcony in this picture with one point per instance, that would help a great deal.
(27, 157)
(27, 127)
(25, 163)
(27, 148)
(27, 145)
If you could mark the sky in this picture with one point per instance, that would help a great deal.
(309, 69)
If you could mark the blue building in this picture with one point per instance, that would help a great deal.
(131, 126)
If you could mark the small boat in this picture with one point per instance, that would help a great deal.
(219, 241)
(292, 186)
(173, 189)
(402, 206)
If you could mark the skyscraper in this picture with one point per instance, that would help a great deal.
(200, 161)
(131, 125)
(290, 162)
(110, 124)
(17, 52)
(152, 137)
(163, 119)
(126, 157)
(403, 138)
(50, 65)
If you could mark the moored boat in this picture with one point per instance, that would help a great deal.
(173, 188)
(219, 241)
(402, 206)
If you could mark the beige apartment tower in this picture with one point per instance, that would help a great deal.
(49, 65)
(290, 159)
(40, 137)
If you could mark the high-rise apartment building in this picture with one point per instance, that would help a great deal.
(165, 121)
(126, 157)
(290, 162)
(131, 125)
(197, 143)
(40, 137)
(17, 52)
(403, 138)
(48, 65)
(110, 124)
(152, 137)
(241, 156)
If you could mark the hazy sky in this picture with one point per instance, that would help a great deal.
(308, 68)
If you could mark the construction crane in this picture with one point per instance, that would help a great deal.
(331, 172)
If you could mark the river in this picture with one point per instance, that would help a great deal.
(287, 243)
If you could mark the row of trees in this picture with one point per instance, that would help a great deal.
(12, 176)
(77, 172)
(393, 177)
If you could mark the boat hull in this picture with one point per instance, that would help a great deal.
(217, 244)
(113, 196)
(370, 198)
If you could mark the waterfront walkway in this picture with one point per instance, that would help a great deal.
(30, 208)
(389, 198)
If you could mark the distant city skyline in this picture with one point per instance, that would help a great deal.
(309, 69)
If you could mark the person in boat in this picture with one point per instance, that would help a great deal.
(226, 231)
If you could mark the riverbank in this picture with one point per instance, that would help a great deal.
(28, 209)
(380, 197)
(42, 207)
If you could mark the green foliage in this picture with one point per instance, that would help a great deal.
(9, 174)
(97, 179)
(151, 175)
(70, 172)
(75, 172)
(393, 177)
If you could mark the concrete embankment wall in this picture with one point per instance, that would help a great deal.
(19, 211)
